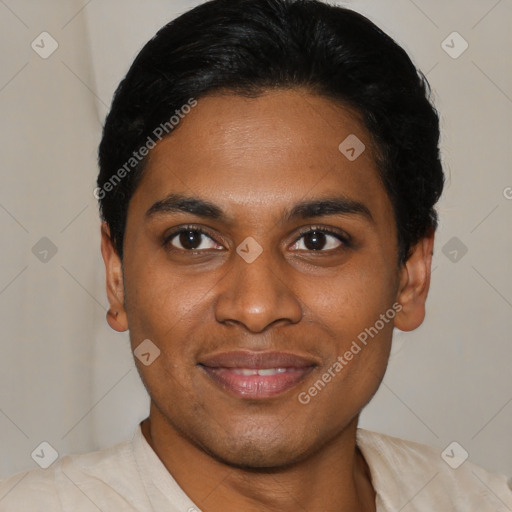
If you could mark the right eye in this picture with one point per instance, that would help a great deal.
(191, 239)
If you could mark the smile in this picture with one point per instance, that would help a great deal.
(254, 375)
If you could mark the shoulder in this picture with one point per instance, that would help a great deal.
(415, 476)
(74, 482)
(30, 490)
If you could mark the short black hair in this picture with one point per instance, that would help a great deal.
(249, 47)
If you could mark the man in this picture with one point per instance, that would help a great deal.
(268, 176)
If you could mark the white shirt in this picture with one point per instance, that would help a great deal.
(129, 477)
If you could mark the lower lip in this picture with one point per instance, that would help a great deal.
(257, 386)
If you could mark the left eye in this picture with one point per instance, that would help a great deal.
(317, 240)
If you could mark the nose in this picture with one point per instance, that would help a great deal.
(257, 295)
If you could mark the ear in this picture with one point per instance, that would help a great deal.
(116, 316)
(414, 285)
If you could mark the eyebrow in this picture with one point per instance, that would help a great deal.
(339, 205)
(179, 203)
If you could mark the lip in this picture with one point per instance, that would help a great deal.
(226, 370)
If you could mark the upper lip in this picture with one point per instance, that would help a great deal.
(257, 360)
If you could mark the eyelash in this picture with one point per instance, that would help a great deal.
(343, 238)
(185, 229)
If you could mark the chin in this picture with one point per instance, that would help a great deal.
(254, 456)
(256, 452)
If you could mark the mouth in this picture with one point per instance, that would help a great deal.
(257, 375)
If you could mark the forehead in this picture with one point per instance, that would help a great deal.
(277, 148)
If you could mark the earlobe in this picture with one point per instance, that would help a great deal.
(116, 320)
(414, 285)
(116, 315)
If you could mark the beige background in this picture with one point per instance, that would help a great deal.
(67, 379)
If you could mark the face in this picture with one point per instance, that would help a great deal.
(255, 255)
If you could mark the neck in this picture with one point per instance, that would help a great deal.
(335, 479)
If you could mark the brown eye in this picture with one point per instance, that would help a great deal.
(318, 240)
(188, 239)
(314, 240)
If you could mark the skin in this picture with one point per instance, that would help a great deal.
(254, 159)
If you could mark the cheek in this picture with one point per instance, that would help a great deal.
(161, 306)
(355, 307)
(351, 376)
(161, 301)
(353, 298)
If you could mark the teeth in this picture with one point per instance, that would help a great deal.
(264, 372)
(245, 372)
(271, 371)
